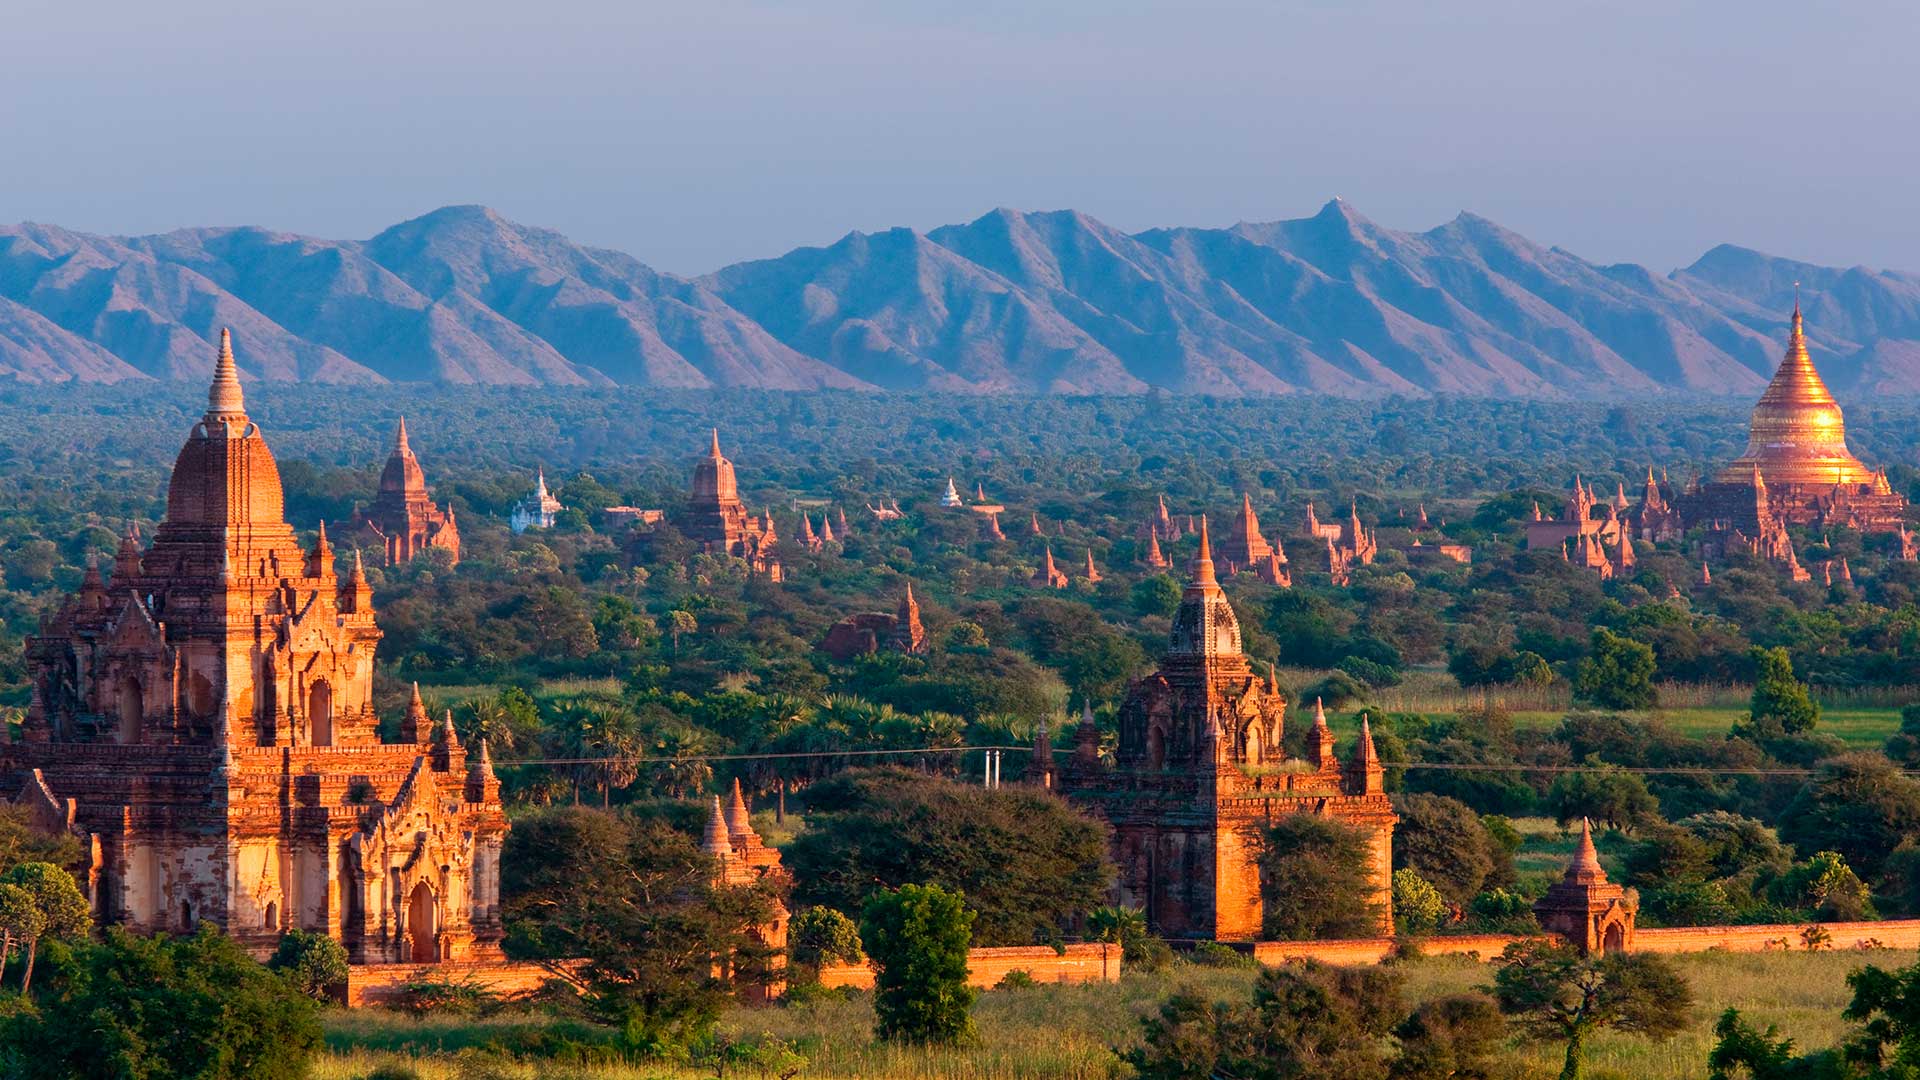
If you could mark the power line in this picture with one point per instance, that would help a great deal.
(1451, 766)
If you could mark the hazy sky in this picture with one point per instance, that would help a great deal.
(699, 133)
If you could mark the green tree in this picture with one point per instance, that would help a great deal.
(1556, 994)
(636, 900)
(1418, 907)
(1456, 1037)
(1780, 701)
(1825, 885)
(64, 912)
(1859, 805)
(818, 936)
(1617, 673)
(1745, 1053)
(918, 937)
(1605, 793)
(196, 1007)
(20, 920)
(1445, 842)
(1316, 880)
(1028, 862)
(315, 963)
(1158, 594)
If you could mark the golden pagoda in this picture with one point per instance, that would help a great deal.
(1797, 435)
(1797, 470)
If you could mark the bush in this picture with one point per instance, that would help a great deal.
(918, 936)
(1139, 949)
(446, 998)
(1215, 955)
(315, 964)
(1016, 980)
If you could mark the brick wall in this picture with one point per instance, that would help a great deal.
(1091, 962)
(1892, 934)
(381, 984)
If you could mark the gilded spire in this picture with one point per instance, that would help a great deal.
(1798, 432)
(225, 403)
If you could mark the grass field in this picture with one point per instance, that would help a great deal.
(1072, 1032)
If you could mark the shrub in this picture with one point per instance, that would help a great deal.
(1215, 955)
(1139, 949)
(446, 997)
(1016, 980)
(315, 964)
(1498, 911)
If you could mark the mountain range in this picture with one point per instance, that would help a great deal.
(1012, 302)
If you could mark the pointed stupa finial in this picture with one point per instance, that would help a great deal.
(716, 444)
(225, 403)
(400, 437)
(739, 823)
(1585, 866)
(453, 737)
(715, 842)
(1319, 714)
(1202, 568)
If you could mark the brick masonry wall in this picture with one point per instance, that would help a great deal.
(1892, 934)
(382, 984)
(1091, 962)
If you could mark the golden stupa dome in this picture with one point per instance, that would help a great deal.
(1797, 435)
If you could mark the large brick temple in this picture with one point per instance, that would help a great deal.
(1200, 772)
(203, 720)
(403, 521)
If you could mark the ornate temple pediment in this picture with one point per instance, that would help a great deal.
(134, 628)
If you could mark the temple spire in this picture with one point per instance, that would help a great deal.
(225, 403)
(716, 444)
(1585, 866)
(1202, 567)
(400, 438)
(716, 842)
(739, 823)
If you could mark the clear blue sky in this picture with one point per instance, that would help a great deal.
(701, 132)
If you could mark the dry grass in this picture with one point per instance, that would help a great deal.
(1072, 1032)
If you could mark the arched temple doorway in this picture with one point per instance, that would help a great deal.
(131, 708)
(423, 912)
(320, 713)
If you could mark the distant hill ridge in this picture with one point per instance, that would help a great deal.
(1012, 302)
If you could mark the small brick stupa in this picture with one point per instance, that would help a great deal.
(1592, 913)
